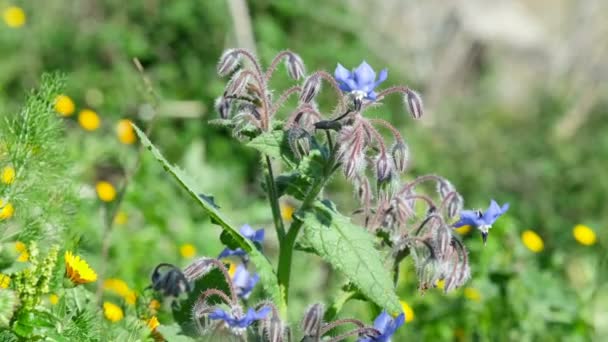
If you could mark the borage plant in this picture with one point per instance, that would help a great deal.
(395, 218)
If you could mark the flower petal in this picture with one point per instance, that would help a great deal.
(341, 73)
(381, 77)
(364, 75)
(382, 321)
(468, 218)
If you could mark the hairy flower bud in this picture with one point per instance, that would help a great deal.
(228, 62)
(295, 66)
(312, 320)
(363, 190)
(401, 156)
(444, 188)
(384, 168)
(237, 84)
(414, 104)
(311, 88)
(222, 106)
(442, 241)
(454, 205)
(273, 329)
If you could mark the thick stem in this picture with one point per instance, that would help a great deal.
(273, 198)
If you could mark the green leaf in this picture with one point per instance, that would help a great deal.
(350, 249)
(172, 333)
(274, 144)
(298, 182)
(267, 276)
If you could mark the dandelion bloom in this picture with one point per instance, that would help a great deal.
(154, 305)
(532, 241)
(584, 235)
(386, 326)
(89, 120)
(361, 82)
(112, 312)
(153, 323)
(125, 132)
(407, 310)
(6, 210)
(472, 294)
(121, 288)
(187, 251)
(7, 176)
(105, 191)
(53, 298)
(64, 105)
(78, 270)
(5, 281)
(24, 256)
(287, 211)
(14, 17)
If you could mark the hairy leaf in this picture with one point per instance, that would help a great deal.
(274, 144)
(350, 249)
(264, 268)
(298, 182)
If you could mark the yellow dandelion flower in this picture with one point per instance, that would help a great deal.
(89, 120)
(287, 211)
(154, 305)
(125, 132)
(112, 312)
(121, 218)
(472, 294)
(5, 281)
(121, 288)
(24, 256)
(105, 191)
(6, 210)
(440, 284)
(408, 311)
(53, 299)
(463, 230)
(7, 176)
(64, 105)
(532, 241)
(14, 17)
(153, 323)
(187, 250)
(78, 270)
(584, 235)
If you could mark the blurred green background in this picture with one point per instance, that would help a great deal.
(515, 95)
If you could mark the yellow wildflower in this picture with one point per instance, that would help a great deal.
(440, 284)
(125, 132)
(24, 256)
(463, 230)
(153, 323)
(112, 312)
(14, 17)
(53, 298)
(187, 251)
(78, 270)
(89, 120)
(154, 306)
(121, 218)
(472, 294)
(121, 288)
(6, 210)
(584, 235)
(105, 191)
(407, 310)
(7, 176)
(5, 281)
(532, 241)
(64, 105)
(287, 211)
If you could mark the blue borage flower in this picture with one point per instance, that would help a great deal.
(249, 233)
(361, 82)
(237, 320)
(482, 221)
(386, 325)
(244, 281)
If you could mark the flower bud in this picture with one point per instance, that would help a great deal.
(237, 84)
(311, 88)
(401, 156)
(454, 205)
(228, 62)
(442, 240)
(273, 329)
(444, 187)
(384, 168)
(222, 106)
(414, 104)
(295, 66)
(313, 319)
(364, 190)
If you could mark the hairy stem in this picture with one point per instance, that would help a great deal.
(273, 198)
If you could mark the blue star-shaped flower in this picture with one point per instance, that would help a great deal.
(244, 282)
(249, 233)
(240, 321)
(387, 326)
(361, 81)
(482, 221)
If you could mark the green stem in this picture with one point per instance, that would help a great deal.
(274, 201)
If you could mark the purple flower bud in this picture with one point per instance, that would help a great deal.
(295, 66)
(222, 106)
(228, 62)
(237, 84)
(442, 240)
(444, 188)
(312, 321)
(454, 205)
(311, 88)
(414, 104)
(401, 156)
(273, 329)
(384, 167)
(364, 190)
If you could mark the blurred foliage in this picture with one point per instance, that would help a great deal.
(485, 148)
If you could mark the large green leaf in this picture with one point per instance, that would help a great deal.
(350, 249)
(264, 268)
(297, 182)
(274, 144)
